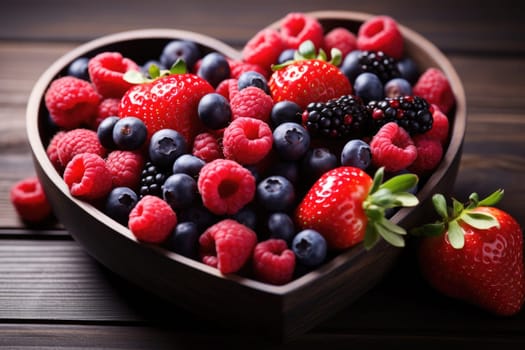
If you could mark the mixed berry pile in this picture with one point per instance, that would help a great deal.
(264, 165)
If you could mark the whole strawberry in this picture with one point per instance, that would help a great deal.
(475, 254)
(309, 78)
(170, 101)
(347, 206)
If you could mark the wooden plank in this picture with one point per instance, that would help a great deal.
(452, 25)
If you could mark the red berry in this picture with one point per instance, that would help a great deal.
(381, 33)
(434, 86)
(392, 148)
(225, 186)
(87, 176)
(29, 200)
(251, 102)
(152, 220)
(263, 49)
(78, 141)
(106, 71)
(52, 151)
(207, 147)
(227, 245)
(237, 67)
(108, 107)
(440, 126)
(340, 38)
(296, 28)
(71, 102)
(273, 262)
(228, 88)
(125, 168)
(247, 140)
(429, 153)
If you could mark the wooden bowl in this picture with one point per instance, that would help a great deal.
(245, 304)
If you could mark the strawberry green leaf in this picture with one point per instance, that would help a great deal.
(405, 199)
(306, 50)
(492, 199)
(482, 221)
(429, 230)
(401, 183)
(457, 208)
(390, 226)
(378, 179)
(336, 56)
(179, 67)
(440, 204)
(455, 235)
(154, 71)
(322, 55)
(134, 77)
(391, 237)
(371, 237)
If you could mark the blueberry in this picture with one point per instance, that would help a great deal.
(291, 140)
(276, 193)
(214, 68)
(185, 239)
(79, 68)
(318, 161)
(309, 247)
(129, 133)
(356, 153)
(408, 70)
(165, 146)
(252, 78)
(199, 215)
(397, 87)
(188, 164)
(286, 55)
(351, 66)
(368, 87)
(119, 204)
(183, 49)
(105, 132)
(281, 226)
(214, 111)
(285, 111)
(247, 216)
(180, 191)
(288, 169)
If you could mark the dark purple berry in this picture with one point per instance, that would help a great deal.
(119, 203)
(214, 111)
(281, 226)
(252, 78)
(214, 67)
(276, 193)
(188, 164)
(291, 140)
(368, 87)
(285, 111)
(180, 49)
(309, 247)
(165, 146)
(79, 68)
(185, 239)
(356, 153)
(318, 161)
(105, 132)
(397, 87)
(129, 133)
(180, 191)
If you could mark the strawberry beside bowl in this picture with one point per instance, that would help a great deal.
(244, 303)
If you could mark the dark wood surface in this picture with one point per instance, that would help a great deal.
(54, 296)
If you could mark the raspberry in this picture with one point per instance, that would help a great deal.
(273, 262)
(440, 126)
(263, 49)
(252, 102)
(237, 67)
(392, 148)
(52, 151)
(434, 86)
(106, 71)
(227, 245)
(342, 39)
(78, 141)
(225, 186)
(381, 33)
(71, 102)
(297, 28)
(125, 168)
(87, 176)
(247, 140)
(228, 88)
(152, 220)
(429, 153)
(29, 200)
(207, 147)
(108, 107)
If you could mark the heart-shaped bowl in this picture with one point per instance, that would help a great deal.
(243, 303)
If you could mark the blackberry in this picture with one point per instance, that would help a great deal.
(379, 63)
(152, 180)
(343, 117)
(410, 112)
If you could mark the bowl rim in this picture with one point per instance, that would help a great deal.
(39, 153)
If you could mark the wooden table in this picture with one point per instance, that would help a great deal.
(53, 295)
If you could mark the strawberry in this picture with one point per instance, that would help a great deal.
(346, 206)
(166, 101)
(475, 254)
(309, 78)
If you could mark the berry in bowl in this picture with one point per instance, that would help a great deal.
(267, 187)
